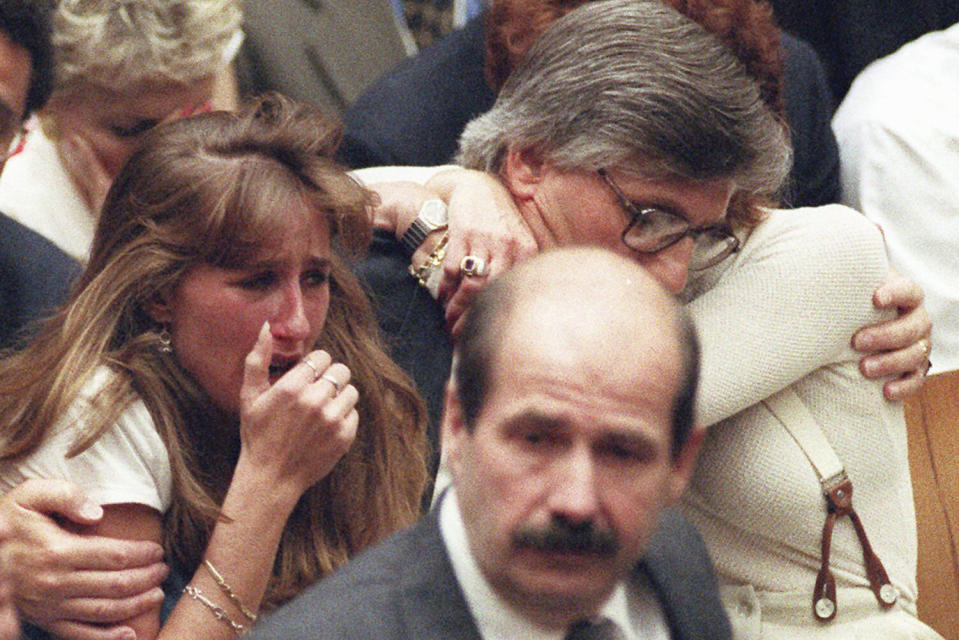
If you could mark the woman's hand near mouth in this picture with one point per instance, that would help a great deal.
(297, 428)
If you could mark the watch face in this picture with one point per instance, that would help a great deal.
(433, 213)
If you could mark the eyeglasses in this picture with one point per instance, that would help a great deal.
(651, 229)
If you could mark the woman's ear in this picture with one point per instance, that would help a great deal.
(522, 172)
(158, 308)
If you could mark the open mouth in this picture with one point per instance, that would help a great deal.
(281, 366)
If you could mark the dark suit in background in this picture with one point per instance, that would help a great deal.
(405, 588)
(849, 34)
(35, 278)
(415, 114)
(322, 52)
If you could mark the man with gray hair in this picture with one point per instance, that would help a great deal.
(566, 449)
(615, 99)
(629, 127)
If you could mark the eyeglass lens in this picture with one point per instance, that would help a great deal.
(656, 230)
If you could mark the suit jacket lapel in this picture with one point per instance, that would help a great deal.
(678, 567)
(432, 605)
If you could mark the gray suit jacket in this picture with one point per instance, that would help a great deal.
(405, 588)
(325, 52)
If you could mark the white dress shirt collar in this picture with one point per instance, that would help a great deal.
(635, 610)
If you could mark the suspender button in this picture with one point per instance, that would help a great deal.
(888, 594)
(825, 608)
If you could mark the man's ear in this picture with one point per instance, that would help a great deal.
(452, 427)
(684, 464)
(522, 171)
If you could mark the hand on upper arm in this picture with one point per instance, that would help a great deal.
(66, 580)
(785, 306)
(898, 347)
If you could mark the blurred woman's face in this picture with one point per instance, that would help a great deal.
(113, 122)
(215, 314)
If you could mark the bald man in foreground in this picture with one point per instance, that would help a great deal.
(568, 426)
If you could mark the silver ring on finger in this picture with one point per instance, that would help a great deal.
(471, 266)
(337, 385)
(316, 371)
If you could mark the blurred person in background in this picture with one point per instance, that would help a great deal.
(34, 273)
(120, 68)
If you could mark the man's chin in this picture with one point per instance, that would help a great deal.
(557, 599)
(563, 579)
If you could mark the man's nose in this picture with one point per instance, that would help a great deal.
(574, 495)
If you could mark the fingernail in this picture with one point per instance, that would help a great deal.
(882, 298)
(91, 510)
(128, 634)
(869, 367)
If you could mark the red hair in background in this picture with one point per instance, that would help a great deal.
(746, 26)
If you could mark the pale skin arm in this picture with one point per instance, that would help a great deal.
(483, 222)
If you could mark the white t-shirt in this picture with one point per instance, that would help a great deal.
(127, 464)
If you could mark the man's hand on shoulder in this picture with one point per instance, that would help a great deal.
(65, 579)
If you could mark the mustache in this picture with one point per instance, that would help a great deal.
(563, 537)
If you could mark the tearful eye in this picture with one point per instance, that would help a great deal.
(316, 277)
(258, 281)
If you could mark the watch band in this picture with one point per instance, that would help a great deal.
(432, 216)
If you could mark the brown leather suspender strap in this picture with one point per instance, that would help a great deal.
(837, 489)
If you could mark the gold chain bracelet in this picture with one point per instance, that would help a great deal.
(218, 612)
(422, 273)
(225, 588)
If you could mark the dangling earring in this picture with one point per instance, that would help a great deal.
(166, 341)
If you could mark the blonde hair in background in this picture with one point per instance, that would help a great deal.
(210, 189)
(119, 44)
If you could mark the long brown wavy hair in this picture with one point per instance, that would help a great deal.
(202, 190)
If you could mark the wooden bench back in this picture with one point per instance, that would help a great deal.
(932, 418)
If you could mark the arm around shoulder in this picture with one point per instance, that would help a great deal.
(786, 305)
